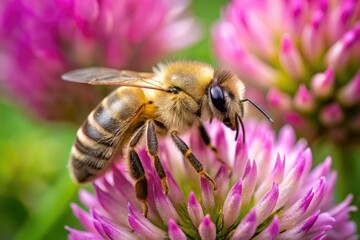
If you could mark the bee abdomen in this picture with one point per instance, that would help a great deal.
(97, 133)
(89, 157)
(103, 116)
(94, 150)
(95, 144)
(104, 130)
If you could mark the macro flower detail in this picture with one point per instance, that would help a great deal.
(269, 192)
(304, 55)
(40, 40)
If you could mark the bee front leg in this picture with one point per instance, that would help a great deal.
(153, 148)
(205, 137)
(137, 172)
(187, 153)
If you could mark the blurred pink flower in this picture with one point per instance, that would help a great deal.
(305, 55)
(40, 40)
(271, 193)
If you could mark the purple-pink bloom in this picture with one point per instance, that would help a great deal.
(269, 192)
(40, 40)
(303, 55)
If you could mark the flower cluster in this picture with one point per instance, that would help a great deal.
(269, 192)
(304, 54)
(40, 40)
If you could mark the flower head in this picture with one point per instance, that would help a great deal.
(305, 55)
(40, 40)
(271, 192)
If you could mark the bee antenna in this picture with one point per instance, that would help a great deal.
(237, 120)
(258, 108)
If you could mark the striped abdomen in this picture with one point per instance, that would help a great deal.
(103, 131)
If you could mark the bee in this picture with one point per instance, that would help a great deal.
(172, 99)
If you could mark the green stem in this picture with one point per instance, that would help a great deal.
(50, 208)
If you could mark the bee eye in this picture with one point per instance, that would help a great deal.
(218, 98)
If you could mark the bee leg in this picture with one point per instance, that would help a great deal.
(205, 137)
(185, 150)
(137, 172)
(153, 148)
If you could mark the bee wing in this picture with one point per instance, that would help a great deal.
(110, 76)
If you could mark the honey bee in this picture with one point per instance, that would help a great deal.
(172, 99)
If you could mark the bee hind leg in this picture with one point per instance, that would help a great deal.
(137, 172)
(153, 148)
(187, 153)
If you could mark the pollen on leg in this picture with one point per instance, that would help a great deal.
(153, 148)
(165, 185)
(187, 153)
(207, 176)
(145, 207)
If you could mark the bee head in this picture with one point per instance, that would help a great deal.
(225, 92)
(226, 100)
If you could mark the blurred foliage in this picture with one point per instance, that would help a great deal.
(35, 188)
(207, 12)
(33, 157)
(27, 144)
(346, 162)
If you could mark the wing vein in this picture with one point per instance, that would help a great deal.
(113, 77)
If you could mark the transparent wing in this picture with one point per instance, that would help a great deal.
(109, 76)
